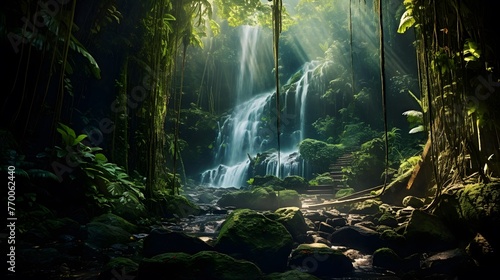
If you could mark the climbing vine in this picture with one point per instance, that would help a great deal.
(454, 56)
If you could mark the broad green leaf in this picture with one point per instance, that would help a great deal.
(101, 157)
(78, 47)
(64, 136)
(407, 21)
(79, 138)
(69, 130)
(416, 129)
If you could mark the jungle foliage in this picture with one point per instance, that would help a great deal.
(67, 60)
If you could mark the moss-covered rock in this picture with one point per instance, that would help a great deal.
(175, 206)
(367, 207)
(202, 265)
(320, 260)
(289, 198)
(472, 209)
(267, 181)
(119, 266)
(388, 219)
(386, 258)
(320, 154)
(293, 220)
(480, 208)
(344, 192)
(413, 201)
(117, 221)
(260, 198)
(295, 183)
(293, 274)
(247, 234)
(393, 240)
(61, 226)
(426, 231)
(257, 199)
(104, 235)
(161, 241)
(322, 179)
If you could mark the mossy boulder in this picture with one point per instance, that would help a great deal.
(320, 260)
(393, 240)
(129, 211)
(480, 208)
(425, 231)
(472, 209)
(117, 221)
(104, 235)
(413, 201)
(175, 206)
(322, 179)
(289, 198)
(161, 241)
(202, 265)
(388, 219)
(267, 181)
(247, 234)
(386, 258)
(59, 226)
(257, 199)
(293, 220)
(121, 266)
(320, 154)
(293, 274)
(367, 207)
(260, 198)
(295, 183)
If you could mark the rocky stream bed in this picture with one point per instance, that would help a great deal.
(364, 240)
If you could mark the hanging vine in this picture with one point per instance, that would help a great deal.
(277, 9)
(453, 59)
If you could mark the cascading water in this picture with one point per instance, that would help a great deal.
(250, 129)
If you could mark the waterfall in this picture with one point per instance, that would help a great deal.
(250, 129)
(249, 65)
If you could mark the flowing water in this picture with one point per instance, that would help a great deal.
(250, 128)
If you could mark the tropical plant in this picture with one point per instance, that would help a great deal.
(414, 117)
(453, 54)
(368, 165)
(105, 183)
(320, 154)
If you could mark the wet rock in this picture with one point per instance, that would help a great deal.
(453, 263)
(294, 222)
(394, 241)
(202, 265)
(480, 208)
(164, 241)
(114, 220)
(260, 198)
(104, 235)
(291, 274)
(425, 231)
(357, 237)
(320, 260)
(482, 252)
(388, 219)
(366, 207)
(247, 234)
(324, 227)
(413, 201)
(386, 258)
(119, 268)
(336, 222)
